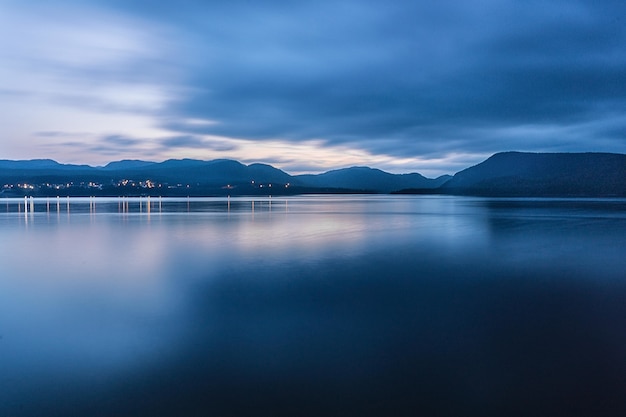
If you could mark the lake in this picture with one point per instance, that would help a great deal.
(313, 306)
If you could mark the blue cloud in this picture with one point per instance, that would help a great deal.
(400, 78)
(190, 141)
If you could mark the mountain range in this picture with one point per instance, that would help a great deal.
(196, 177)
(503, 174)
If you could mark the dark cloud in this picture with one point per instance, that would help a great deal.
(405, 78)
(401, 78)
(120, 140)
(189, 141)
(182, 141)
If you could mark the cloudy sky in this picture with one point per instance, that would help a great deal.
(402, 85)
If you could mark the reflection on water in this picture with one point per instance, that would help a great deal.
(315, 305)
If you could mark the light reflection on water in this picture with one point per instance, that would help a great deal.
(313, 305)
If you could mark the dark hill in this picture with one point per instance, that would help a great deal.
(38, 164)
(127, 164)
(31, 164)
(218, 172)
(369, 179)
(503, 174)
(543, 174)
(175, 177)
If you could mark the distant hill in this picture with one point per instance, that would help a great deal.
(32, 164)
(543, 174)
(503, 174)
(196, 177)
(219, 172)
(370, 179)
(127, 164)
(37, 164)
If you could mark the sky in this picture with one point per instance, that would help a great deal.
(401, 85)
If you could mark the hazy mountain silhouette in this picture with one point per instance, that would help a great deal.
(370, 179)
(503, 174)
(212, 176)
(127, 164)
(38, 164)
(543, 174)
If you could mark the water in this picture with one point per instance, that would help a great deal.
(313, 305)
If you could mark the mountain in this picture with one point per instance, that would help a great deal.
(369, 179)
(38, 171)
(32, 164)
(127, 164)
(218, 172)
(37, 164)
(503, 174)
(543, 174)
(204, 177)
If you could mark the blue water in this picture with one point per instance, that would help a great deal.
(312, 305)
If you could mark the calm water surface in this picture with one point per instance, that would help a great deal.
(313, 305)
